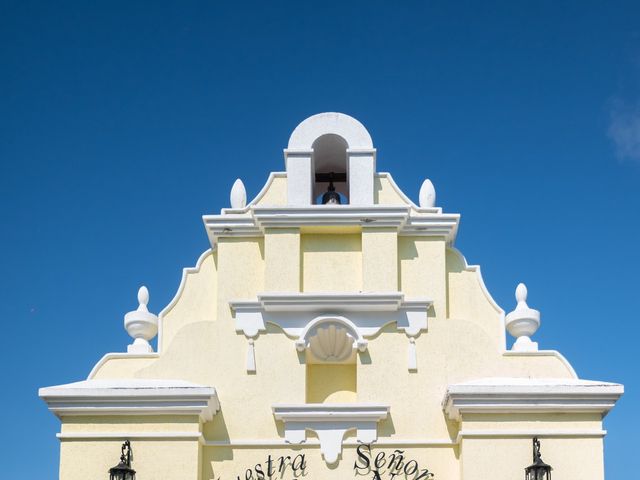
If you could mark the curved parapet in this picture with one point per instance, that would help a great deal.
(124, 365)
(457, 263)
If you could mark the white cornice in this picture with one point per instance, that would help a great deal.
(319, 302)
(131, 397)
(126, 435)
(326, 412)
(254, 220)
(369, 311)
(330, 422)
(513, 395)
(331, 215)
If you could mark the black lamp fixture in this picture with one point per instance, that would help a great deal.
(331, 197)
(123, 470)
(538, 470)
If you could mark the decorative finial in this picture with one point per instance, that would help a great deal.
(143, 298)
(141, 325)
(521, 295)
(238, 195)
(523, 322)
(427, 196)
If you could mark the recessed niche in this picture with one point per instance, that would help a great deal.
(331, 383)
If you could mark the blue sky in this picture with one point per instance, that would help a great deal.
(121, 123)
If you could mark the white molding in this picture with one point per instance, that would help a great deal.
(131, 397)
(544, 353)
(528, 395)
(368, 312)
(331, 215)
(313, 442)
(329, 301)
(529, 433)
(130, 436)
(113, 355)
(330, 422)
(441, 225)
(252, 221)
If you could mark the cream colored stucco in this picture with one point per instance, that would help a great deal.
(275, 194)
(384, 192)
(379, 260)
(332, 263)
(331, 383)
(465, 340)
(282, 260)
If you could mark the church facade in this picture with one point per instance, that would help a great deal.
(332, 331)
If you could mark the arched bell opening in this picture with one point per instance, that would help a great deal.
(331, 182)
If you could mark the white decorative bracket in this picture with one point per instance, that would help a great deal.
(360, 315)
(412, 357)
(251, 357)
(330, 422)
(141, 324)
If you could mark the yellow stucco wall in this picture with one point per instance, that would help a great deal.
(465, 340)
(332, 263)
(331, 383)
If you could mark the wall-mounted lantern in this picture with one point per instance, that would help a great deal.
(123, 470)
(538, 470)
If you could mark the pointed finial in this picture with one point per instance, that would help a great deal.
(427, 196)
(238, 195)
(143, 298)
(521, 295)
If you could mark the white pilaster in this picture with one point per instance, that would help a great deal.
(362, 167)
(300, 172)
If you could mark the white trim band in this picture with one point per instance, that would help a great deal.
(130, 436)
(529, 433)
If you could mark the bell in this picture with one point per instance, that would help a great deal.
(331, 197)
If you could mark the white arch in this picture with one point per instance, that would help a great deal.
(350, 129)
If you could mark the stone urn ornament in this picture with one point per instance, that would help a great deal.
(523, 322)
(141, 324)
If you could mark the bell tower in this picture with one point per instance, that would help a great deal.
(330, 149)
